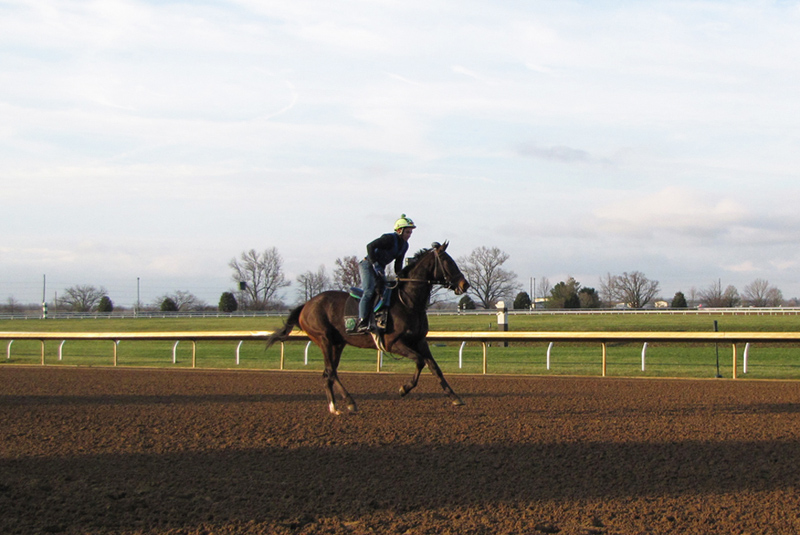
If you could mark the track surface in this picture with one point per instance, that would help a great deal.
(187, 452)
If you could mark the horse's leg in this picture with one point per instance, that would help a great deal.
(422, 356)
(336, 356)
(330, 357)
(328, 375)
(434, 367)
(409, 386)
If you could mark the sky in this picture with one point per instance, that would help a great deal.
(145, 144)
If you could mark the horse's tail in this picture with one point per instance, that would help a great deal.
(283, 333)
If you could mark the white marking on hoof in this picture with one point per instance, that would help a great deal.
(332, 408)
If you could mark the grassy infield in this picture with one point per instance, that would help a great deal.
(663, 359)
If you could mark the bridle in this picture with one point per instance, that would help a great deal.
(445, 280)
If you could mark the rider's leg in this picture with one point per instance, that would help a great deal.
(368, 285)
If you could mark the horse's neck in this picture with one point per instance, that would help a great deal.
(417, 292)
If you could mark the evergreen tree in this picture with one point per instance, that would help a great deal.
(227, 302)
(522, 301)
(168, 305)
(105, 305)
(679, 301)
(466, 303)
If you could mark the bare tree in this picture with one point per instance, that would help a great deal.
(760, 294)
(346, 273)
(634, 289)
(82, 298)
(263, 276)
(543, 288)
(184, 301)
(489, 282)
(714, 296)
(12, 305)
(313, 283)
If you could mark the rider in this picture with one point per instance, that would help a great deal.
(391, 246)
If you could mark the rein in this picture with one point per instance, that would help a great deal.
(442, 282)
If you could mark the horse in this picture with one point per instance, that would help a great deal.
(322, 319)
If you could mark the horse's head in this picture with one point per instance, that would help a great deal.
(438, 267)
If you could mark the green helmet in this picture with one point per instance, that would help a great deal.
(403, 222)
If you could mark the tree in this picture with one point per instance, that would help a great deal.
(565, 295)
(542, 289)
(466, 303)
(634, 289)
(263, 275)
(489, 282)
(227, 302)
(105, 305)
(760, 294)
(185, 301)
(12, 305)
(714, 296)
(168, 305)
(679, 301)
(312, 283)
(589, 298)
(82, 298)
(522, 301)
(346, 273)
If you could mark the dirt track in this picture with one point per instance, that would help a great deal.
(138, 451)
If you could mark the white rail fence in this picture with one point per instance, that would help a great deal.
(485, 338)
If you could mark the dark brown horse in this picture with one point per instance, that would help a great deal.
(322, 319)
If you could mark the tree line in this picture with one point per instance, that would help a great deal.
(259, 281)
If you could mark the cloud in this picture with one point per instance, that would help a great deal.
(672, 211)
(558, 153)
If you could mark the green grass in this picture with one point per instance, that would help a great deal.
(781, 361)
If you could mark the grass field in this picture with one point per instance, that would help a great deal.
(779, 361)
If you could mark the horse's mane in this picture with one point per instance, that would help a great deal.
(413, 260)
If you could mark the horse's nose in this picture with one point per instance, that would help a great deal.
(462, 286)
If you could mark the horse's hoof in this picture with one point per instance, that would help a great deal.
(333, 410)
(403, 391)
(458, 402)
(352, 408)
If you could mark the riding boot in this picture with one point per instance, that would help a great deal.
(362, 326)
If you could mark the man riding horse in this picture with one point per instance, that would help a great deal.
(388, 248)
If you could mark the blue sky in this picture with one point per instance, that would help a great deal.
(158, 140)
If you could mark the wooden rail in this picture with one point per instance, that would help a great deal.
(482, 337)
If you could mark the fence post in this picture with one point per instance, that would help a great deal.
(745, 357)
(644, 352)
(604, 358)
(175, 352)
(734, 360)
(238, 348)
(549, 348)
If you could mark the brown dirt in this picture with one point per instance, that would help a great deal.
(127, 451)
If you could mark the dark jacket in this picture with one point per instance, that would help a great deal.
(389, 247)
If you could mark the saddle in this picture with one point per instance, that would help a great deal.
(380, 309)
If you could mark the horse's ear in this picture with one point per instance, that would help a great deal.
(444, 246)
